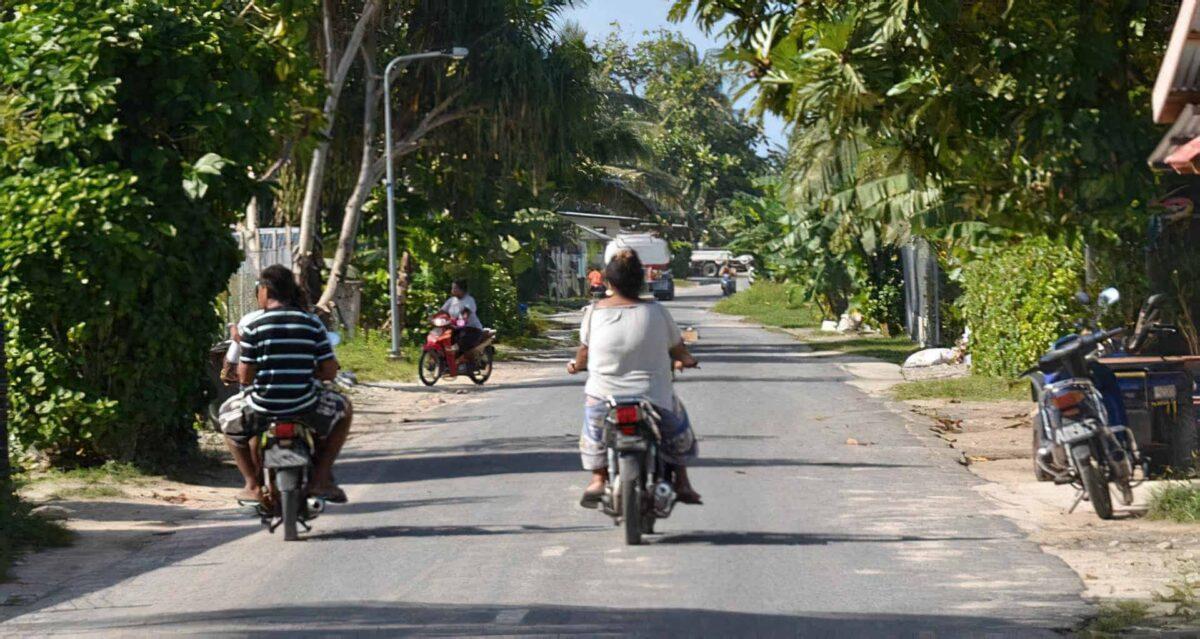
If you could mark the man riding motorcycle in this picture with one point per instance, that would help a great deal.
(284, 356)
(461, 306)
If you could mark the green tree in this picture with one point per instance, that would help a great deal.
(129, 132)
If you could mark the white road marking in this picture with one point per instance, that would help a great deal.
(511, 617)
(554, 551)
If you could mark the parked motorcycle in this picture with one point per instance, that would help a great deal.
(435, 354)
(1077, 441)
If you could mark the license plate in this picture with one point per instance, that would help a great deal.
(1164, 392)
(1073, 432)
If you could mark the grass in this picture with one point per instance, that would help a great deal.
(773, 304)
(1115, 617)
(1175, 501)
(367, 357)
(889, 349)
(973, 388)
(21, 531)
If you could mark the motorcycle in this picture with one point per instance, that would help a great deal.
(728, 285)
(284, 455)
(641, 490)
(437, 353)
(1076, 439)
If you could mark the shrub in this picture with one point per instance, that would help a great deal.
(1017, 301)
(115, 211)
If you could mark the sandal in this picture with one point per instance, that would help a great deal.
(688, 496)
(591, 498)
(333, 494)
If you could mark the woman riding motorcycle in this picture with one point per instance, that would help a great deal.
(629, 346)
(461, 306)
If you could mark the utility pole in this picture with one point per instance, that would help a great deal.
(456, 53)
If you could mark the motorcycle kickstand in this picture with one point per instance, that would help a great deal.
(1079, 497)
(303, 523)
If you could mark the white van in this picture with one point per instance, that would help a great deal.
(655, 254)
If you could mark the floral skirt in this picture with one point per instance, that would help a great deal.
(679, 444)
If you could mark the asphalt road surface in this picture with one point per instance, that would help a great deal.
(471, 527)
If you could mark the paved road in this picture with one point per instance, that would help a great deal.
(470, 527)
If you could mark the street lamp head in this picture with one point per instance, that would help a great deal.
(458, 53)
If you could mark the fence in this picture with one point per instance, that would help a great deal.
(921, 295)
(274, 247)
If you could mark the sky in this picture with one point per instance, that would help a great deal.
(638, 16)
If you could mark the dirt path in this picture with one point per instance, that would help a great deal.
(114, 519)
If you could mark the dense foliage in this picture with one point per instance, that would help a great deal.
(1018, 301)
(128, 129)
(973, 124)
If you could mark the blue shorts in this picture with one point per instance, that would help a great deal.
(679, 444)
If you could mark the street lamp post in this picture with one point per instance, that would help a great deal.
(457, 53)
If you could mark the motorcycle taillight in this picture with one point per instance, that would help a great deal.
(628, 415)
(285, 430)
(1067, 399)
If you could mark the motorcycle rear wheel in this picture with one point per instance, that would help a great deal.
(631, 511)
(430, 367)
(1093, 481)
(483, 366)
(289, 498)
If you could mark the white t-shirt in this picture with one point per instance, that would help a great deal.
(235, 348)
(628, 351)
(456, 305)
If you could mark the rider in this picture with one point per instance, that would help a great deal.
(595, 282)
(633, 345)
(461, 305)
(285, 354)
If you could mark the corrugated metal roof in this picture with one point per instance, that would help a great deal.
(1185, 129)
(1178, 82)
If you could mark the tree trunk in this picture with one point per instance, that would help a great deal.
(250, 236)
(403, 280)
(362, 187)
(5, 468)
(335, 80)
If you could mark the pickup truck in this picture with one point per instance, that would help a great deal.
(655, 254)
(707, 262)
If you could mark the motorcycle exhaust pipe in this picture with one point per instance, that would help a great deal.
(316, 506)
(664, 499)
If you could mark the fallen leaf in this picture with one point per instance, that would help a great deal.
(963, 459)
(978, 458)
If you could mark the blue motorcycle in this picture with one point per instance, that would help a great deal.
(1080, 433)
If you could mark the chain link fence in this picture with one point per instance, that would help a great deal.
(274, 247)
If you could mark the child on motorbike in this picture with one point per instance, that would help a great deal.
(630, 346)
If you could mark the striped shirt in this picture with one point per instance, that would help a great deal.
(285, 345)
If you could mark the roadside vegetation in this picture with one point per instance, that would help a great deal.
(1175, 501)
(367, 357)
(972, 388)
(773, 304)
(1115, 617)
(20, 531)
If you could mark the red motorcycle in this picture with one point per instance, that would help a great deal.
(437, 356)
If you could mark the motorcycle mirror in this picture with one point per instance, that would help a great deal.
(1109, 296)
(1083, 298)
(334, 338)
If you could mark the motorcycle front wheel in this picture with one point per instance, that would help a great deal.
(1093, 480)
(430, 367)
